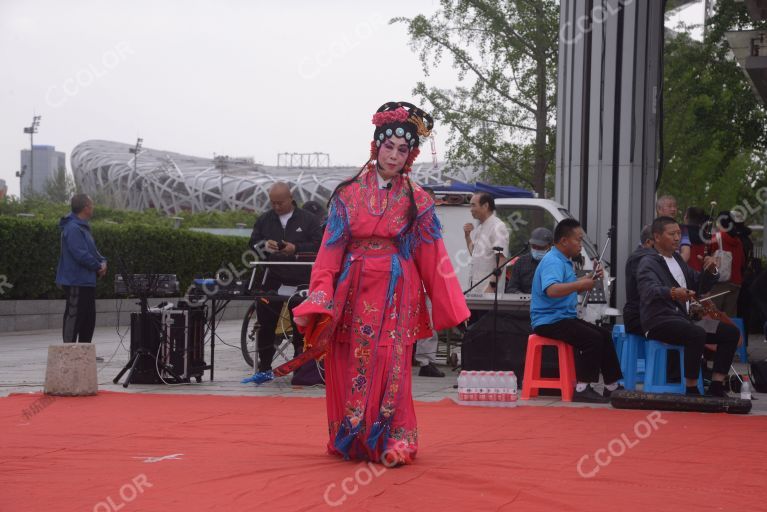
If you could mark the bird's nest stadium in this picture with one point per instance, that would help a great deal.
(172, 182)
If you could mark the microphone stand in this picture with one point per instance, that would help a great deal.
(497, 272)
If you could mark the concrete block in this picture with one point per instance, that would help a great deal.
(56, 321)
(57, 307)
(31, 307)
(31, 322)
(71, 370)
(109, 319)
(7, 307)
(7, 323)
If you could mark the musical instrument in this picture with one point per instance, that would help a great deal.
(705, 307)
(598, 265)
(147, 285)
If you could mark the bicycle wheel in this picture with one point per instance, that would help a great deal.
(249, 336)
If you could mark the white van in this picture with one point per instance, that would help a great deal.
(521, 215)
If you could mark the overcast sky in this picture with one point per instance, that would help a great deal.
(237, 77)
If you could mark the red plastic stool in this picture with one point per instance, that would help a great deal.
(533, 380)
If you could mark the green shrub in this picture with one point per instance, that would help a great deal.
(29, 253)
(47, 210)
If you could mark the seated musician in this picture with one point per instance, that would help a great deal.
(666, 288)
(522, 272)
(278, 235)
(553, 314)
(631, 309)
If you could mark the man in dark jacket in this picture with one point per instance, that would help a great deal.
(279, 234)
(80, 263)
(522, 272)
(631, 309)
(666, 287)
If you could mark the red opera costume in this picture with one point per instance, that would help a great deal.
(373, 266)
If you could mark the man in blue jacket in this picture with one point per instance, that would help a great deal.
(80, 263)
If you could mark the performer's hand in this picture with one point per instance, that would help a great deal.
(468, 228)
(682, 294)
(709, 265)
(102, 271)
(585, 283)
(271, 246)
(289, 248)
(599, 272)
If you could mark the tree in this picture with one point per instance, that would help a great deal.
(60, 187)
(715, 129)
(500, 118)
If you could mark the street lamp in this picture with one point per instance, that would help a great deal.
(221, 163)
(31, 130)
(135, 151)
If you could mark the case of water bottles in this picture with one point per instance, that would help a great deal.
(487, 388)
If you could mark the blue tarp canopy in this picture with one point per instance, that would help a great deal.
(495, 190)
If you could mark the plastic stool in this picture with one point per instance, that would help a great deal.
(743, 349)
(631, 353)
(655, 369)
(533, 380)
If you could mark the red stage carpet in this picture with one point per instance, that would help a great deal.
(134, 452)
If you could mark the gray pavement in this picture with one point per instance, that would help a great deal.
(23, 358)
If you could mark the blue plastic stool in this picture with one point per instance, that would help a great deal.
(630, 349)
(656, 366)
(742, 350)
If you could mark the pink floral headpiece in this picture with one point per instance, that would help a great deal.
(398, 115)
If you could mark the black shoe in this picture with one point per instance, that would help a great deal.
(430, 370)
(589, 396)
(607, 393)
(716, 389)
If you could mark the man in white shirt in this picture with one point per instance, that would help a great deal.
(491, 232)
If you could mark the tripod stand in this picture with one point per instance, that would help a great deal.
(144, 330)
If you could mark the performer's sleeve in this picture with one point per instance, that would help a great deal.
(503, 238)
(436, 271)
(326, 267)
(551, 273)
(650, 285)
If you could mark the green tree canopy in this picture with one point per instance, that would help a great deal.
(501, 116)
(715, 128)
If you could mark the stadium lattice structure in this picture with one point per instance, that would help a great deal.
(172, 182)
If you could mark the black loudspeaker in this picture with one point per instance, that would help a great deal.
(513, 328)
(478, 351)
(175, 341)
(147, 337)
(184, 349)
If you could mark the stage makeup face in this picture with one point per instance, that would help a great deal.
(392, 156)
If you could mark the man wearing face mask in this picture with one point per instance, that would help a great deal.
(524, 269)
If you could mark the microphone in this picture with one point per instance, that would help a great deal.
(388, 186)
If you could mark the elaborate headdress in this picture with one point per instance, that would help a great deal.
(400, 119)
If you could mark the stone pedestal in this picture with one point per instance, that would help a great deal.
(71, 370)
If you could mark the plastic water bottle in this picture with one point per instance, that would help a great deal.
(494, 389)
(463, 378)
(514, 392)
(745, 389)
(471, 388)
(482, 389)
